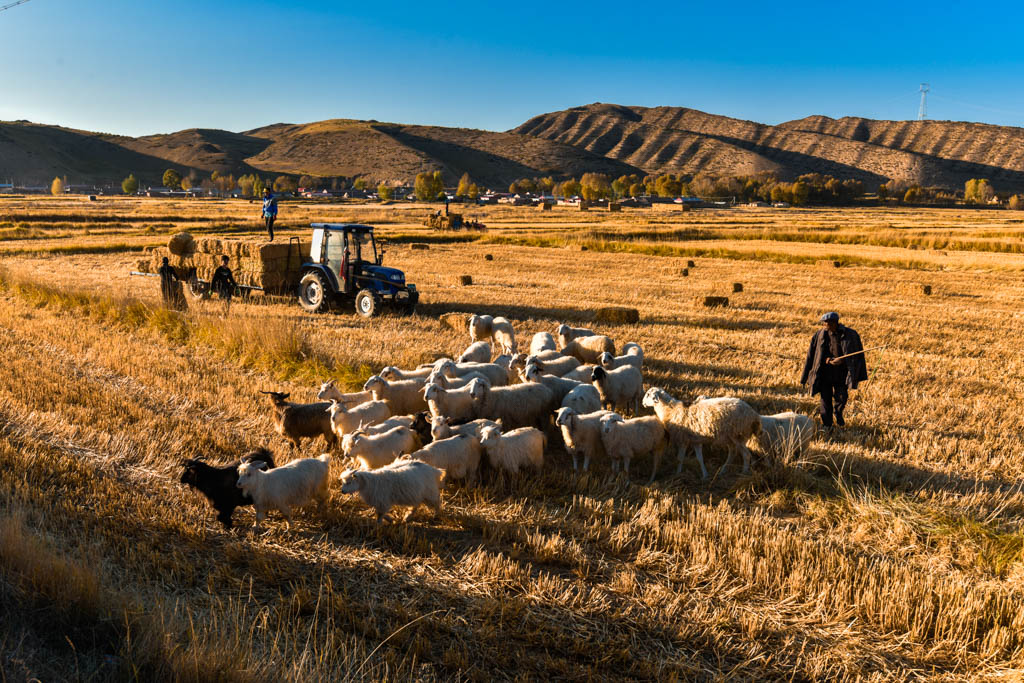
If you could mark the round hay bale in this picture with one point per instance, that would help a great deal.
(715, 301)
(488, 257)
(737, 286)
(617, 315)
(464, 280)
(419, 246)
(926, 290)
(456, 321)
(691, 264)
(182, 244)
(685, 272)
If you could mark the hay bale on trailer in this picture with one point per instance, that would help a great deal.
(275, 268)
(182, 244)
(617, 315)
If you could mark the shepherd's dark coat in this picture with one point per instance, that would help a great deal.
(849, 342)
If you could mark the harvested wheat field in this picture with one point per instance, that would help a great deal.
(891, 550)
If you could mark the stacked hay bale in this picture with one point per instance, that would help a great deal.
(276, 268)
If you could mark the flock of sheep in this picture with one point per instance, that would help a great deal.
(454, 419)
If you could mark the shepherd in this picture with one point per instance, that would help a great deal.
(223, 283)
(269, 211)
(170, 286)
(835, 364)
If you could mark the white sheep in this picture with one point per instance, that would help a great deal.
(582, 434)
(589, 349)
(345, 420)
(458, 404)
(619, 389)
(284, 488)
(388, 424)
(377, 450)
(559, 386)
(495, 374)
(632, 354)
(391, 373)
(330, 392)
(477, 352)
(583, 399)
(504, 335)
(625, 439)
(403, 482)
(542, 341)
(566, 334)
(445, 382)
(458, 455)
(675, 417)
(441, 427)
(521, 405)
(558, 366)
(728, 422)
(480, 327)
(582, 373)
(514, 450)
(403, 396)
(785, 434)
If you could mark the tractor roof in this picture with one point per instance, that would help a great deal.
(347, 227)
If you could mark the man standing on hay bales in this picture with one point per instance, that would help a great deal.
(828, 373)
(269, 211)
(170, 287)
(223, 283)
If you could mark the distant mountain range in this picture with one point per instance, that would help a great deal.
(605, 138)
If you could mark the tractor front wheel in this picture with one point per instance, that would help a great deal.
(313, 293)
(367, 303)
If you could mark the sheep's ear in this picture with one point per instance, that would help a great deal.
(500, 423)
(258, 464)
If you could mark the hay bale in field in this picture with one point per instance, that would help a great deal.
(926, 290)
(583, 205)
(614, 206)
(456, 321)
(143, 266)
(464, 280)
(829, 264)
(488, 257)
(419, 246)
(617, 315)
(685, 272)
(737, 287)
(715, 301)
(544, 206)
(691, 264)
(182, 244)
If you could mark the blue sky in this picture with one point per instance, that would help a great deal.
(146, 67)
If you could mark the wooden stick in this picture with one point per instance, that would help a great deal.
(857, 353)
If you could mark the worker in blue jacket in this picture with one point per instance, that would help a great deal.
(269, 211)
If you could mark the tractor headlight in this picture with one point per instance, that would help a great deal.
(397, 277)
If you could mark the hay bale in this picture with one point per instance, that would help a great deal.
(456, 321)
(182, 244)
(544, 206)
(583, 205)
(464, 280)
(488, 257)
(715, 301)
(614, 206)
(617, 315)
(691, 264)
(419, 246)
(143, 266)
(926, 290)
(737, 286)
(829, 264)
(685, 272)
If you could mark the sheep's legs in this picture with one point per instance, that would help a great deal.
(586, 462)
(654, 468)
(746, 458)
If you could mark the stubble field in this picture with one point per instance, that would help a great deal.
(892, 551)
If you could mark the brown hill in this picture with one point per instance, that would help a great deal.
(680, 140)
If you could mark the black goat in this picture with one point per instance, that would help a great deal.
(219, 484)
(421, 425)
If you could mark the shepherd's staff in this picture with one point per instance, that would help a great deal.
(857, 353)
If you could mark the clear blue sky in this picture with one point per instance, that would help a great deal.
(139, 67)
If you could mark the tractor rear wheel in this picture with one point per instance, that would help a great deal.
(367, 303)
(198, 290)
(314, 293)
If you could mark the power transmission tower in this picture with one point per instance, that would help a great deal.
(12, 4)
(922, 113)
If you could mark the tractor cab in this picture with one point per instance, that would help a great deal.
(346, 261)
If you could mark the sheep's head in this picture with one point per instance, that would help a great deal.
(489, 436)
(437, 378)
(248, 471)
(349, 441)
(609, 421)
(598, 374)
(431, 391)
(352, 481)
(276, 397)
(606, 361)
(326, 390)
(564, 416)
(478, 390)
(190, 472)
(562, 330)
(389, 373)
(439, 427)
(653, 397)
(518, 361)
(531, 373)
(374, 384)
(336, 407)
(445, 366)
(632, 349)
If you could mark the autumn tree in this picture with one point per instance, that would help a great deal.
(285, 183)
(463, 188)
(185, 183)
(595, 186)
(172, 179)
(978, 191)
(385, 192)
(473, 192)
(1017, 202)
(57, 187)
(130, 185)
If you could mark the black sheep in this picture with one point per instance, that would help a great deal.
(219, 484)
(421, 425)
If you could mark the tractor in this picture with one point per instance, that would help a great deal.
(344, 268)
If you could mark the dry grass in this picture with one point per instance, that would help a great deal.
(893, 551)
